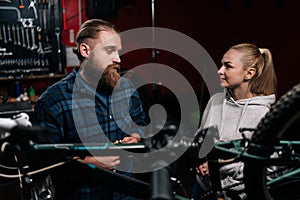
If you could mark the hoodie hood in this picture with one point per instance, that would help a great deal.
(258, 100)
(230, 115)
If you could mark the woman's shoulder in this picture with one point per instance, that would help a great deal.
(266, 100)
(220, 96)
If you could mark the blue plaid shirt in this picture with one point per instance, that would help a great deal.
(73, 112)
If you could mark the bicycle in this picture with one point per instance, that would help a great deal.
(275, 133)
(271, 156)
(24, 171)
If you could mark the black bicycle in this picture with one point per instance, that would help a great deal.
(271, 157)
(27, 160)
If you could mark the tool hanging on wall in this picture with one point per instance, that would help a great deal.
(30, 37)
(32, 6)
(18, 34)
(40, 50)
(21, 4)
(57, 33)
(23, 37)
(4, 33)
(0, 35)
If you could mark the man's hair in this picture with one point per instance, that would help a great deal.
(90, 30)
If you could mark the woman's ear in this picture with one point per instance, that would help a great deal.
(84, 49)
(250, 73)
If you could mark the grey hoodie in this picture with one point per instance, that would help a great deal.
(229, 116)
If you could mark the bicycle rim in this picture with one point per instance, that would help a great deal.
(276, 124)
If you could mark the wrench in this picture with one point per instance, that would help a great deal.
(23, 37)
(40, 13)
(33, 39)
(57, 32)
(40, 49)
(18, 34)
(4, 33)
(27, 38)
(9, 34)
(13, 28)
(45, 17)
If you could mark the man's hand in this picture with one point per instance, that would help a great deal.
(107, 162)
(133, 138)
(129, 140)
(204, 169)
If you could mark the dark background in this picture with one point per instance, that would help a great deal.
(216, 25)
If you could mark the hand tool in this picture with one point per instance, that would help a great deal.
(13, 28)
(23, 37)
(9, 34)
(18, 34)
(32, 5)
(33, 39)
(4, 33)
(57, 32)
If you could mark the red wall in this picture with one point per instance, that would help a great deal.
(216, 25)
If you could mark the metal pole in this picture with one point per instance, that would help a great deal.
(153, 28)
(79, 13)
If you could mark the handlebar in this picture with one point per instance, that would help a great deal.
(22, 119)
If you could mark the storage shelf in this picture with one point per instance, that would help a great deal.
(55, 76)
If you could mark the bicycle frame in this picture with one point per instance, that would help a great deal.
(234, 151)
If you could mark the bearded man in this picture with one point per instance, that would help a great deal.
(93, 104)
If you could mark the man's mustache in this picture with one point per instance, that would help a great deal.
(115, 66)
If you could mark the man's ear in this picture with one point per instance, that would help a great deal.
(250, 73)
(84, 49)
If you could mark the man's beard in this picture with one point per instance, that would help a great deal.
(109, 78)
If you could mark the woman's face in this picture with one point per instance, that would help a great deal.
(232, 72)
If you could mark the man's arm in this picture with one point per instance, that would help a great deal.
(44, 118)
(138, 116)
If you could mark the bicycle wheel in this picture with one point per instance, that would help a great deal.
(281, 122)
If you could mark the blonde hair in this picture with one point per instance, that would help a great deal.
(264, 82)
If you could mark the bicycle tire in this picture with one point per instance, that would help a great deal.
(276, 125)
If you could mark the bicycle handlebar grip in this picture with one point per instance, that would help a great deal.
(21, 133)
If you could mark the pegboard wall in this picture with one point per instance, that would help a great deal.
(30, 37)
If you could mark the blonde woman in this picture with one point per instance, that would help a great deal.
(248, 77)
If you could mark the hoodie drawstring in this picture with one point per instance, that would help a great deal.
(223, 115)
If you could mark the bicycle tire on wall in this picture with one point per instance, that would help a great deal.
(276, 124)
